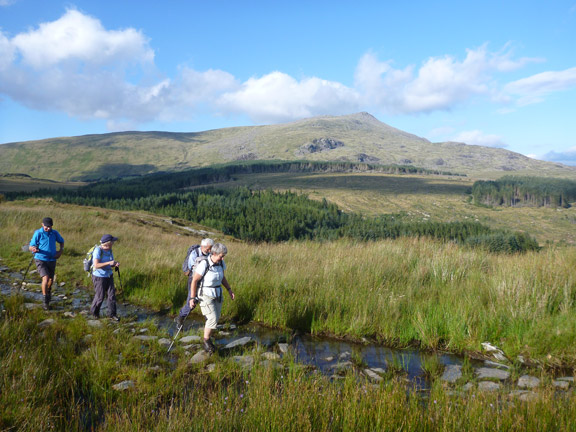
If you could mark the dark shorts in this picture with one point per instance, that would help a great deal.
(46, 268)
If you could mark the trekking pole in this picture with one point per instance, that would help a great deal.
(26, 274)
(119, 278)
(180, 327)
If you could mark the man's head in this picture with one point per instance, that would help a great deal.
(206, 245)
(47, 223)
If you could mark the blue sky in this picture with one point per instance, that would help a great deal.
(493, 73)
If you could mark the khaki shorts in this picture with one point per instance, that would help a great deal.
(211, 309)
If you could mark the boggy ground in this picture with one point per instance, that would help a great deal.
(64, 371)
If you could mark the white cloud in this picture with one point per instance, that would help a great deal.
(533, 89)
(476, 137)
(80, 38)
(440, 83)
(77, 66)
(279, 97)
(7, 2)
(567, 157)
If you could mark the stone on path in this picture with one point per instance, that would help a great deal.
(245, 362)
(452, 373)
(124, 385)
(372, 375)
(498, 374)
(164, 342)
(564, 385)
(94, 323)
(488, 386)
(199, 357)
(145, 338)
(188, 339)
(271, 356)
(527, 381)
(31, 306)
(46, 323)
(239, 342)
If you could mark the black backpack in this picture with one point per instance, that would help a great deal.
(187, 270)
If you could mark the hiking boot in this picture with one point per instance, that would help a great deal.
(115, 318)
(179, 320)
(46, 302)
(209, 346)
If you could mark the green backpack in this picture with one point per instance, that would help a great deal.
(88, 261)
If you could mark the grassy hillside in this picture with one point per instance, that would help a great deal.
(357, 137)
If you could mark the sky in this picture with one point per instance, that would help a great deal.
(491, 73)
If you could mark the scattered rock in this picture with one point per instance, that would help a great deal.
(192, 347)
(31, 306)
(87, 338)
(497, 365)
(94, 323)
(527, 381)
(564, 385)
(145, 338)
(199, 357)
(69, 314)
(46, 323)
(271, 356)
(342, 367)
(372, 375)
(211, 367)
(246, 361)
(452, 373)
(124, 385)
(496, 352)
(568, 379)
(164, 342)
(489, 386)
(239, 342)
(467, 387)
(143, 330)
(188, 339)
(498, 374)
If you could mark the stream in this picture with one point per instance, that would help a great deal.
(322, 353)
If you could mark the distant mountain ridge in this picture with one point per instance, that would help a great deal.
(357, 137)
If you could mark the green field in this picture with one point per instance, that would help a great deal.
(435, 198)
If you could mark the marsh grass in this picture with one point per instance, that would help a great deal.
(57, 379)
(401, 293)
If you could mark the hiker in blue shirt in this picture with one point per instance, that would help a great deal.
(43, 246)
(103, 277)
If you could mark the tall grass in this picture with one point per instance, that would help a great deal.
(401, 292)
(55, 378)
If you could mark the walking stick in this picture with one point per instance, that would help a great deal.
(180, 327)
(27, 270)
(119, 278)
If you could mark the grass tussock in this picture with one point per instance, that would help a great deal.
(401, 292)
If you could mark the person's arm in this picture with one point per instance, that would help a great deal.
(34, 243)
(100, 264)
(59, 253)
(194, 288)
(228, 287)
